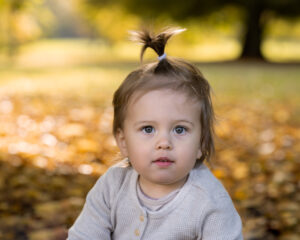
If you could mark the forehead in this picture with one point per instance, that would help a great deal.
(178, 96)
(164, 102)
(177, 84)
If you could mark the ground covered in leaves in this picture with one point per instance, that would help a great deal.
(54, 147)
(50, 159)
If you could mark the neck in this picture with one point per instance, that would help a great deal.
(154, 190)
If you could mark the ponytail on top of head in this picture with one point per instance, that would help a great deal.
(155, 41)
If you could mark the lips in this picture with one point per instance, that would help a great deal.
(163, 162)
(163, 159)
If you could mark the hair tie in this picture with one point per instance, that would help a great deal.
(162, 57)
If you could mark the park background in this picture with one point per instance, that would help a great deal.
(60, 62)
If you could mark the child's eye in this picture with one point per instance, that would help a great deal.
(148, 129)
(180, 130)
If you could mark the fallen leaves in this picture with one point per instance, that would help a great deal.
(57, 133)
(258, 161)
(39, 204)
(53, 149)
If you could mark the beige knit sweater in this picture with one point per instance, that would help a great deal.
(201, 210)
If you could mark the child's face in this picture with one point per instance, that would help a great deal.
(161, 137)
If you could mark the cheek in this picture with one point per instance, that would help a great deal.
(136, 149)
(190, 148)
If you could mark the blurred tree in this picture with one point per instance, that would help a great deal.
(108, 20)
(256, 14)
(67, 20)
(18, 23)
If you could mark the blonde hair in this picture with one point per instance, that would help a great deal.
(168, 73)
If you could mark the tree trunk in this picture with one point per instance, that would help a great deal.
(253, 35)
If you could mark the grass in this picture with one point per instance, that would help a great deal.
(89, 70)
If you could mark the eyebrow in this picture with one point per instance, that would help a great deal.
(151, 122)
(143, 122)
(186, 121)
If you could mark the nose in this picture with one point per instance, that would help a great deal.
(163, 143)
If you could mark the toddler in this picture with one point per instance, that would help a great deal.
(163, 125)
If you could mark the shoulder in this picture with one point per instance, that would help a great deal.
(113, 179)
(219, 216)
(118, 172)
(205, 182)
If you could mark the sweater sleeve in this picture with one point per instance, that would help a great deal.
(94, 220)
(221, 222)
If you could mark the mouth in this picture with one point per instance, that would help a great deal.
(163, 162)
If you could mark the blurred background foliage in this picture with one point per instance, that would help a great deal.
(246, 29)
(60, 62)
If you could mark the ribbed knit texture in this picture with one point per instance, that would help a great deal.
(153, 204)
(201, 210)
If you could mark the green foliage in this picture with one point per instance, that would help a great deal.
(18, 23)
(254, 18)
(111, 22)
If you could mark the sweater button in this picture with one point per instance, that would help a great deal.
(142, 218)
(137, 232)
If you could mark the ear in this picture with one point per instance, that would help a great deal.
(121, 142)
(199, 153)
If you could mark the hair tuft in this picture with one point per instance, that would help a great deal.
(156, 42)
